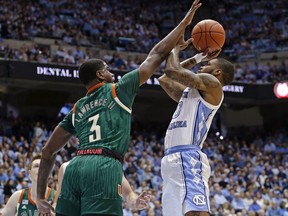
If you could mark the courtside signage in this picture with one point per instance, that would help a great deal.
(70, 74)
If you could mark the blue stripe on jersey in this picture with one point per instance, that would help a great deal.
(207, 198)
(184, 176)
(181, 148)
(200, 127)
(192, 165)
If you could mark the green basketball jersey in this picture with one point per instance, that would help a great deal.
(27, 207)
(102, 118)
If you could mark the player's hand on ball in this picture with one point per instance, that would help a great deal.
(182, 44)
(210, 54)
(143, 200)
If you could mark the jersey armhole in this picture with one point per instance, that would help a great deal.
(48, 193)
(114, 94)
(73, 114)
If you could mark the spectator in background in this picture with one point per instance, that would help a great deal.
(9, 188)
(273, 210)
(269, 146)
(255, 207)
(219, 197)
(238, 203)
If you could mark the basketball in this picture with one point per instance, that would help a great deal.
(208, 34)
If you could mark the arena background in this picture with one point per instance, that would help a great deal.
(31, 89)
(35, 87)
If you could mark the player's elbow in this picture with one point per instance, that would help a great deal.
(47, 153)
(169, 71)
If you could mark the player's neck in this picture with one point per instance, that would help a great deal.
(33, 191)
(91, 84)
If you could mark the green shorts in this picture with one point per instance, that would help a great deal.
(91, 185)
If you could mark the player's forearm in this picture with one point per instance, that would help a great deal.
(46, 165)
(174, 90)
(169, 42)
(188, 63)
(164, 47)
(179, 74)
(131, 200)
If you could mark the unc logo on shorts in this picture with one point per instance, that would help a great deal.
(199, 199)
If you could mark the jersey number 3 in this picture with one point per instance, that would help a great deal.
(96, 129)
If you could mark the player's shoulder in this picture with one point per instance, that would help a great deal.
(64, 165)
(17, 195)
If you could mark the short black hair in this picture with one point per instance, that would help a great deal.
(87, 70)
(228, 70)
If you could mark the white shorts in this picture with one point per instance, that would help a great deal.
(185, 171)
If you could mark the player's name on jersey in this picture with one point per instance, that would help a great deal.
(96, 103)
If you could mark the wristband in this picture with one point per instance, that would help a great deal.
(199, 57)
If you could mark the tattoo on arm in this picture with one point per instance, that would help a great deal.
(188, 63)
(210, 83)
(173, 89)
(186, 78)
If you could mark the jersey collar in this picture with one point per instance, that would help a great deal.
(94, 87)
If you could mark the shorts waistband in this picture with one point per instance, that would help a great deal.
(101, 151)
(181, 148)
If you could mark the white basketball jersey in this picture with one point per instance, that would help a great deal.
(191, 120)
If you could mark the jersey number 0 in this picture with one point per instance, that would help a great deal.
(96, 129)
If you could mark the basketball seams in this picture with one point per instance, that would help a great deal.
(211, 36)
(205, 23)
(200, 35)
(212, 32)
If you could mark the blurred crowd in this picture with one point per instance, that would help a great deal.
(253, 26)
(249, 174)
(120, 28)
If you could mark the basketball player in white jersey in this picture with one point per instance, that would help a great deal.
(185, 168)
(132, 200)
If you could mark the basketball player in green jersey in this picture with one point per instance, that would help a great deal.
(23, 202)
(101, 121)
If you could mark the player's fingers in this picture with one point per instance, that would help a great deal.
(214, 53)
(143, 194)
(147, 197)
(189, 41)
(195, 5)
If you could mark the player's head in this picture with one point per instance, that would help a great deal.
(227, 69)
(220, 68)
(34, 167)
(95, 70)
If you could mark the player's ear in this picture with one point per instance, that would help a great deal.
(100, 75)
(217, 72)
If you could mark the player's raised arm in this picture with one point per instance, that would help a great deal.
(161, 50)
(174, 70)
(173, 89)
(200, 57)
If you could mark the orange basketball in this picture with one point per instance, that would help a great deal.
(208, 33)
